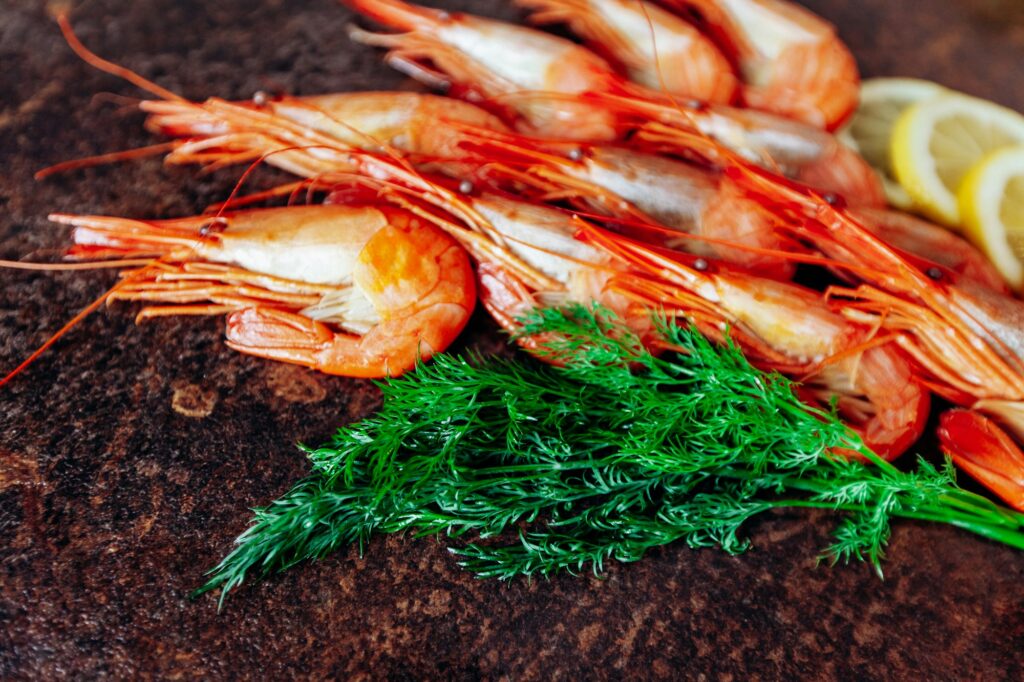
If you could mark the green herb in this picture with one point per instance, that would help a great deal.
(558, 468)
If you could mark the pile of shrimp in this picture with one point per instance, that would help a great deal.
(681, 162)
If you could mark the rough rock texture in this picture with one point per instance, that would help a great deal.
(129, 455)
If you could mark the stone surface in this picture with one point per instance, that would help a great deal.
(129, 455)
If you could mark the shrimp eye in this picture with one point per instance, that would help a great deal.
(217, 225)
(465, 187)
(260, 98)
(934, 273)
(700, 265)
(696, 105)
(575, 154)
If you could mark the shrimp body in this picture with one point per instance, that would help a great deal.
(656, 48)
(496, 61)
(356, 291)
(792, 62)
(548, 240)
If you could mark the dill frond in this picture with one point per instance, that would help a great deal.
(602, 459)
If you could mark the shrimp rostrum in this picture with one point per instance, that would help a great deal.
(350, 290)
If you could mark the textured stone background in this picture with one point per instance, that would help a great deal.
(129, 455)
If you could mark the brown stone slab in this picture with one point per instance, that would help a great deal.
(129, 455)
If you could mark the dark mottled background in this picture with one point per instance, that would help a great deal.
(129, 455)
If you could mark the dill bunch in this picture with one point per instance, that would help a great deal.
(612, 453)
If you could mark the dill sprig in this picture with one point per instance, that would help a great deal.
(611, 454)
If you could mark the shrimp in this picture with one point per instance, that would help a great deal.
(304, 135)
(786, 327)
(662, 200)
(791, 60)
(964, 333)
(800, 152)
(965, 338)
(355, 291)
(493, 59)
(656, 48)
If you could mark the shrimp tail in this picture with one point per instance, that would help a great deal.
(295, 339)
(982, 449)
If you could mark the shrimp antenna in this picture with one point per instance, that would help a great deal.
(65, 267)
(103, 159)
(88, 310)
(60, 14)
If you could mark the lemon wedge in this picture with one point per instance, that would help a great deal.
(869, 131)
(991, 200)
(936, 142)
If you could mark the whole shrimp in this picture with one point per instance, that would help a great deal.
(785, 327)
(693, 208)
(351, 290)
(492, 59)
(656, 48)
(791, 60)
(660, 200)
(305, 135)
(301, 135)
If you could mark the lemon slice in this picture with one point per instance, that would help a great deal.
(991, 200)
(869, 132)
(936, 141)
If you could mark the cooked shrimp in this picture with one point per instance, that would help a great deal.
(656, 48)
(791, 60)
(797, 150)
(494, 60)
(659, 200)
(967, 335)
(320, 128)
(791, 329)
(355, 291)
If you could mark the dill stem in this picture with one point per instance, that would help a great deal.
(999, 533)
(992, 531)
